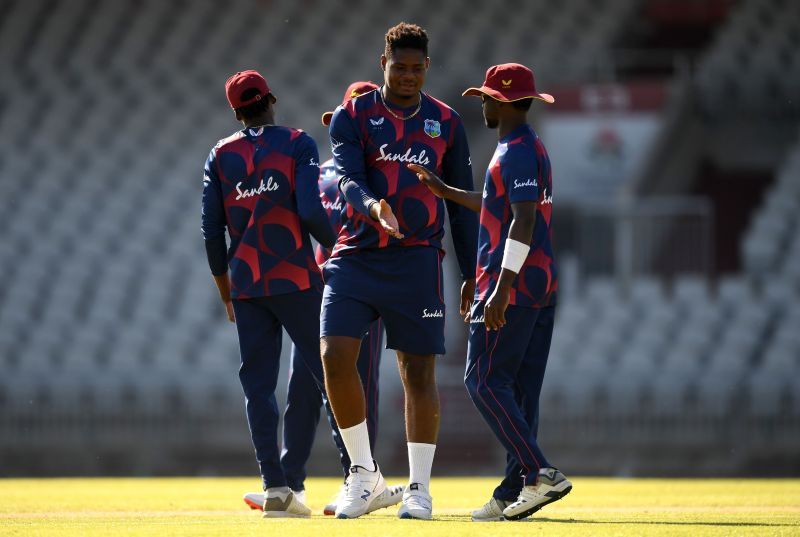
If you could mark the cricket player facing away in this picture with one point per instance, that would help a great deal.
(260, 185)
(387, 260)
(511, 320)
(303, 399)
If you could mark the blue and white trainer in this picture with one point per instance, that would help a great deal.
(417, 503)
(552, 486)
(492, 511)
(363, 488)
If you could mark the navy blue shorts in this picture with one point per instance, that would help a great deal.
(402, 286)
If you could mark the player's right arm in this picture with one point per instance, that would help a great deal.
(213, 227)
(348, 156)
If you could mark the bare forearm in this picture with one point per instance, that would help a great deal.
(469, 199)
(223, 286)
(521, 229)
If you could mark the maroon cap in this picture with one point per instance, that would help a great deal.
(242, 81)
(353, 90)
(509, 82)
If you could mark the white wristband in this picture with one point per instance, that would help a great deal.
(514, 255)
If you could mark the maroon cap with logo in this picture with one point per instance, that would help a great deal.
(509, 82)
(242, 81)
(353, 90)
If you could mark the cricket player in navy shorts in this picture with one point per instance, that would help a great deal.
(260, 185)
(387, 260)
(511, 320)
(303, 399)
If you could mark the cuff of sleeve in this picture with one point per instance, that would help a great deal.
(370, 203)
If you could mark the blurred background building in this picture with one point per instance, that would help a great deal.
(676, 158)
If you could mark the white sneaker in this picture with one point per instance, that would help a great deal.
(330, 507)
(391, 496)
(417, 503)
(552, 486)
(363, 488)
(256, 499)
(492, 511)
(279, 506)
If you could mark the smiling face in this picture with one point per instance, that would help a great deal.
(404, 72)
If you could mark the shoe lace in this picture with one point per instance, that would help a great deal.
(418, 501)
(354, 490)
(527, 495)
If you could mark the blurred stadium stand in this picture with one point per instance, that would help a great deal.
(677, 345)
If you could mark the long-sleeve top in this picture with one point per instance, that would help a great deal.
(260, 185)
(371, 148)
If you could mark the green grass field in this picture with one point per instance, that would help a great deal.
(213, 506)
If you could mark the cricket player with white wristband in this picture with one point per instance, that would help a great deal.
(511, 320)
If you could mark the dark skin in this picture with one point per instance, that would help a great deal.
(223, 281)
(404, 75)
(346, 393)
(505, 118)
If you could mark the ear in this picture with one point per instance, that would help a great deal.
(427, 62)
(238, 115)
(383, 62)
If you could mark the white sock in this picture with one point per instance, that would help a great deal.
(356, 440)
(420, 461)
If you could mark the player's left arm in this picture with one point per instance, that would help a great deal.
(457, 172)
(469, 199)
(309, 204)
(213, 226)
(519, 169)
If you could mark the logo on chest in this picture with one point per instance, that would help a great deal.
(420, 158)
(269, 186)
(429, 314)
(433, 128)
(332, 205)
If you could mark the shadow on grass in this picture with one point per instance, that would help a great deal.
(462, 518)
(661, 522)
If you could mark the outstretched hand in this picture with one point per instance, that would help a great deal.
(429, 179)
(382, 212)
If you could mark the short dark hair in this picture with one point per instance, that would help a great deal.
(253, 110)
(523, 104)
(405, 35)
